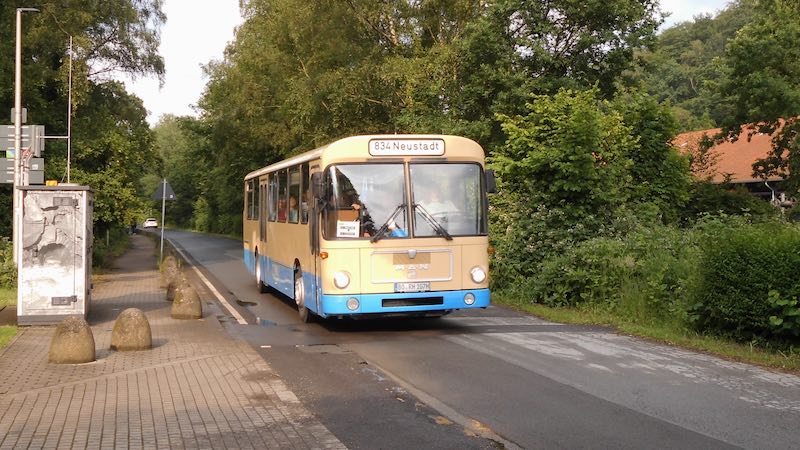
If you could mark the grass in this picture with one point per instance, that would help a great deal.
(8, 297)
(6, 334)
(672, 334)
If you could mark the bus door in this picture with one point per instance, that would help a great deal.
(314, 220)
(262, 212)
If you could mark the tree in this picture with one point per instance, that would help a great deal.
(569, 151)
(112, 145)
(762, 87)
(683, 68)
(181, 149)
(563, 172)
(659, 174)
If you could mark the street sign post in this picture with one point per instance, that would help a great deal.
(32, 137)
(163, 192)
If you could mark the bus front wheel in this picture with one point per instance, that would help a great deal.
(300, 297)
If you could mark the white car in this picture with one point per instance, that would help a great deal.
(150, 223)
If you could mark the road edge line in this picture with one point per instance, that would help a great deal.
(211, 287)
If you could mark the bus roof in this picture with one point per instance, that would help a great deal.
(359, 148)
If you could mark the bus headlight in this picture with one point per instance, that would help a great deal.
(352, 303)
(478, 275)
(341, 279)
(469, 298)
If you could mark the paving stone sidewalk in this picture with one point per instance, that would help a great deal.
(197, 388)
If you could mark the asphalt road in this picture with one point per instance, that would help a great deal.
(496, 378)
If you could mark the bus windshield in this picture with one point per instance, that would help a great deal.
(448, 200)
(365, 198)
(368, 201)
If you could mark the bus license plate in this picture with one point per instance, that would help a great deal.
(419, 286)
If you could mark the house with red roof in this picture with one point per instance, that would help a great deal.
(732, 162)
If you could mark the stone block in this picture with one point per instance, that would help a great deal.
(131, 331)
(169, 266)
(186, 304)
(175, 280)
(72, 343)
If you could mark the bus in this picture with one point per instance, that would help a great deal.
(373, 226)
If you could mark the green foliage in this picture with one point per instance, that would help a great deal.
(739, 267)
(710, 198)
(181, 149)
(111, 141)
(8, 295)
(111, 244)
(761, 85)
(8, 270)
(659, 174)
(568, 152)
(301, 74)
(684, 68)
(202, 215)
(577, 168)
(640, 274)
(6, 334)
(786, 320)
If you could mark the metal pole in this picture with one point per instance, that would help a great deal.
(17, 195)
(17, 133)
(163, 210)
(69, 111)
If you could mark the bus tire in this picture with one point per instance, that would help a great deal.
(306, 316)
(262, 288)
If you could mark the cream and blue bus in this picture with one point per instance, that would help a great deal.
(373, 226)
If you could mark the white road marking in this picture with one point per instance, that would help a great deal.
(211, 288)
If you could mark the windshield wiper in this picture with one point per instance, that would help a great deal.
(432, 222)
(385, 227)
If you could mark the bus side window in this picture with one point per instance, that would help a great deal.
(282, 189)
(255, 209)
(248, 186)
(294, 195)
(305, 199)
(273, 198)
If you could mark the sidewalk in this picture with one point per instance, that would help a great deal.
(197, 387)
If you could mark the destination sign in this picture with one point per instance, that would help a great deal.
(406, 147)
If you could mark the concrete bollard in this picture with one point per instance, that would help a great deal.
(186, 304)
(72, 343)
(168, 268)
(131, 331)
(175, 279)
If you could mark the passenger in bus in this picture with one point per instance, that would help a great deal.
(293, 210)
(367, 224)
(281, 210)
(435, 205)
(396, 231)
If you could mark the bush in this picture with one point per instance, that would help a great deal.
(8, 271)
(103, 254)
(715, 199)
(641, 275)
(786, 320)
(739, 267)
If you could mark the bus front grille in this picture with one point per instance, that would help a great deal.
(423, 301)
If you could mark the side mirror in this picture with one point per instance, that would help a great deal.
(491, 182)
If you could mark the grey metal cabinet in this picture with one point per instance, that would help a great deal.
(55, 267)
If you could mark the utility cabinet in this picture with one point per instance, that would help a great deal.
(55, 266)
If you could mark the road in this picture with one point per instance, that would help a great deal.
(496, 378)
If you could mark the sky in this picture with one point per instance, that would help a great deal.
(197, 32)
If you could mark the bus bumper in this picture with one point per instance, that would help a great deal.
(408, 302)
